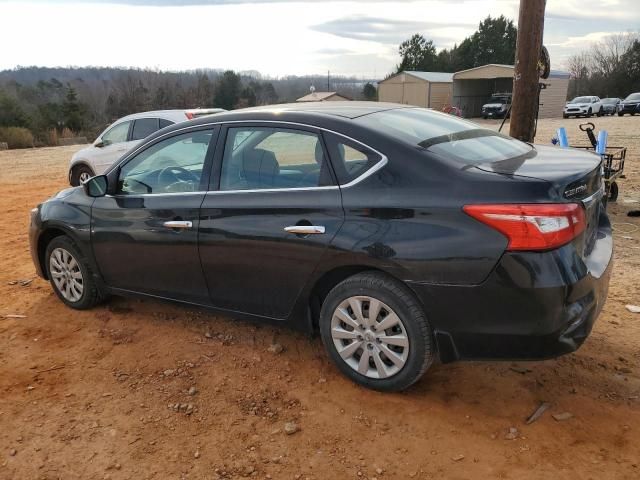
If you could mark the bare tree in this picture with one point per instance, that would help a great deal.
(579, 66)
(606, 54)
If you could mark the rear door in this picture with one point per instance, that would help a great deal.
(273, 210)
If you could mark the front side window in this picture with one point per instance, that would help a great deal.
(144, 127)
(170, 166)
(267, 158)
(116, 134)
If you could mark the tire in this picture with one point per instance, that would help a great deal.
(79, 174)
(600, 113)
(613, 192)
(589, 113)
(412, 329)
(66, 265)
(620, 114)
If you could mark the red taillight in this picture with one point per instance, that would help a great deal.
(532, 226)
(189, 115)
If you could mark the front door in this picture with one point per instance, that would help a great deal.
(114, 145)
(145, 235)
(273, 210)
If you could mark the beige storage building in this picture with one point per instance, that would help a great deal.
(472, 88)
(423, 89)
(323, 97)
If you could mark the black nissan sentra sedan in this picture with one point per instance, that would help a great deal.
(401, 234)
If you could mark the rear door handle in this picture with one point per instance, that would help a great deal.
(305, 229)
(178, 224)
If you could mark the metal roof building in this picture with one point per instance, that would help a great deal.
(473, 87)
(322, 97)
(468, 89)
(424, 89)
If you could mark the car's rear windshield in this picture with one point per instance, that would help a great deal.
(633, 96)
(446, 135)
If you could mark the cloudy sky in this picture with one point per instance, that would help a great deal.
(275, 37)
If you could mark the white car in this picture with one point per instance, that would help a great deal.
(583, 106)
(121, 136)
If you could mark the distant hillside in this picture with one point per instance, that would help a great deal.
(86, 99)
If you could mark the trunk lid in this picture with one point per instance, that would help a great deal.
(575, 176)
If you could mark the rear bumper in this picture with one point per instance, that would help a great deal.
(532, 306)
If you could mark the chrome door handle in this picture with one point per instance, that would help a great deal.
(305, 229)
(178, 224)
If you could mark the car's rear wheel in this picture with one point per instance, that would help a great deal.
(376, 332)
(80, 174)
(70, 275)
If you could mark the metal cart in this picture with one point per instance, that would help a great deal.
(612, 161)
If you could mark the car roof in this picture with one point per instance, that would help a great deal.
(173, 115)
(338, 109)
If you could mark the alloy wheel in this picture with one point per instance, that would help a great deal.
(370, 337)
(84, 176)
(66, 274)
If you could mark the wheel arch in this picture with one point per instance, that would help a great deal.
(329, 279)
(44, 240)
(77, 164)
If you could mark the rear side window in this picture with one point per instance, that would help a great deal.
(451, 137)
(165, 123)
(258, 158)
(350, 159)
(144, 127)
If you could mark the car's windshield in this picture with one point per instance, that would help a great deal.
(633, 96)
(581, 100)
(610, 100)
(498, 100)
(453, 138)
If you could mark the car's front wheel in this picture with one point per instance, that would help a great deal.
(80, 174)
(376, 332)
(70, 275)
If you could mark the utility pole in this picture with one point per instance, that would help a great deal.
(525, 80)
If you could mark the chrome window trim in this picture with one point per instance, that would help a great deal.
(373, 169)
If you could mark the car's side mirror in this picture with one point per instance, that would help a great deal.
(96, 186)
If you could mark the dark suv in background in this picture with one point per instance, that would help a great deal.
(401, 234)
(630, 105)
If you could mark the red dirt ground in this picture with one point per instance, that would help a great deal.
(91, 394)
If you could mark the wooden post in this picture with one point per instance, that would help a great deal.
(525, 79)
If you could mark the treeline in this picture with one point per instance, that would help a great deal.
(609, 68)
(37, 105)
(493, 42)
